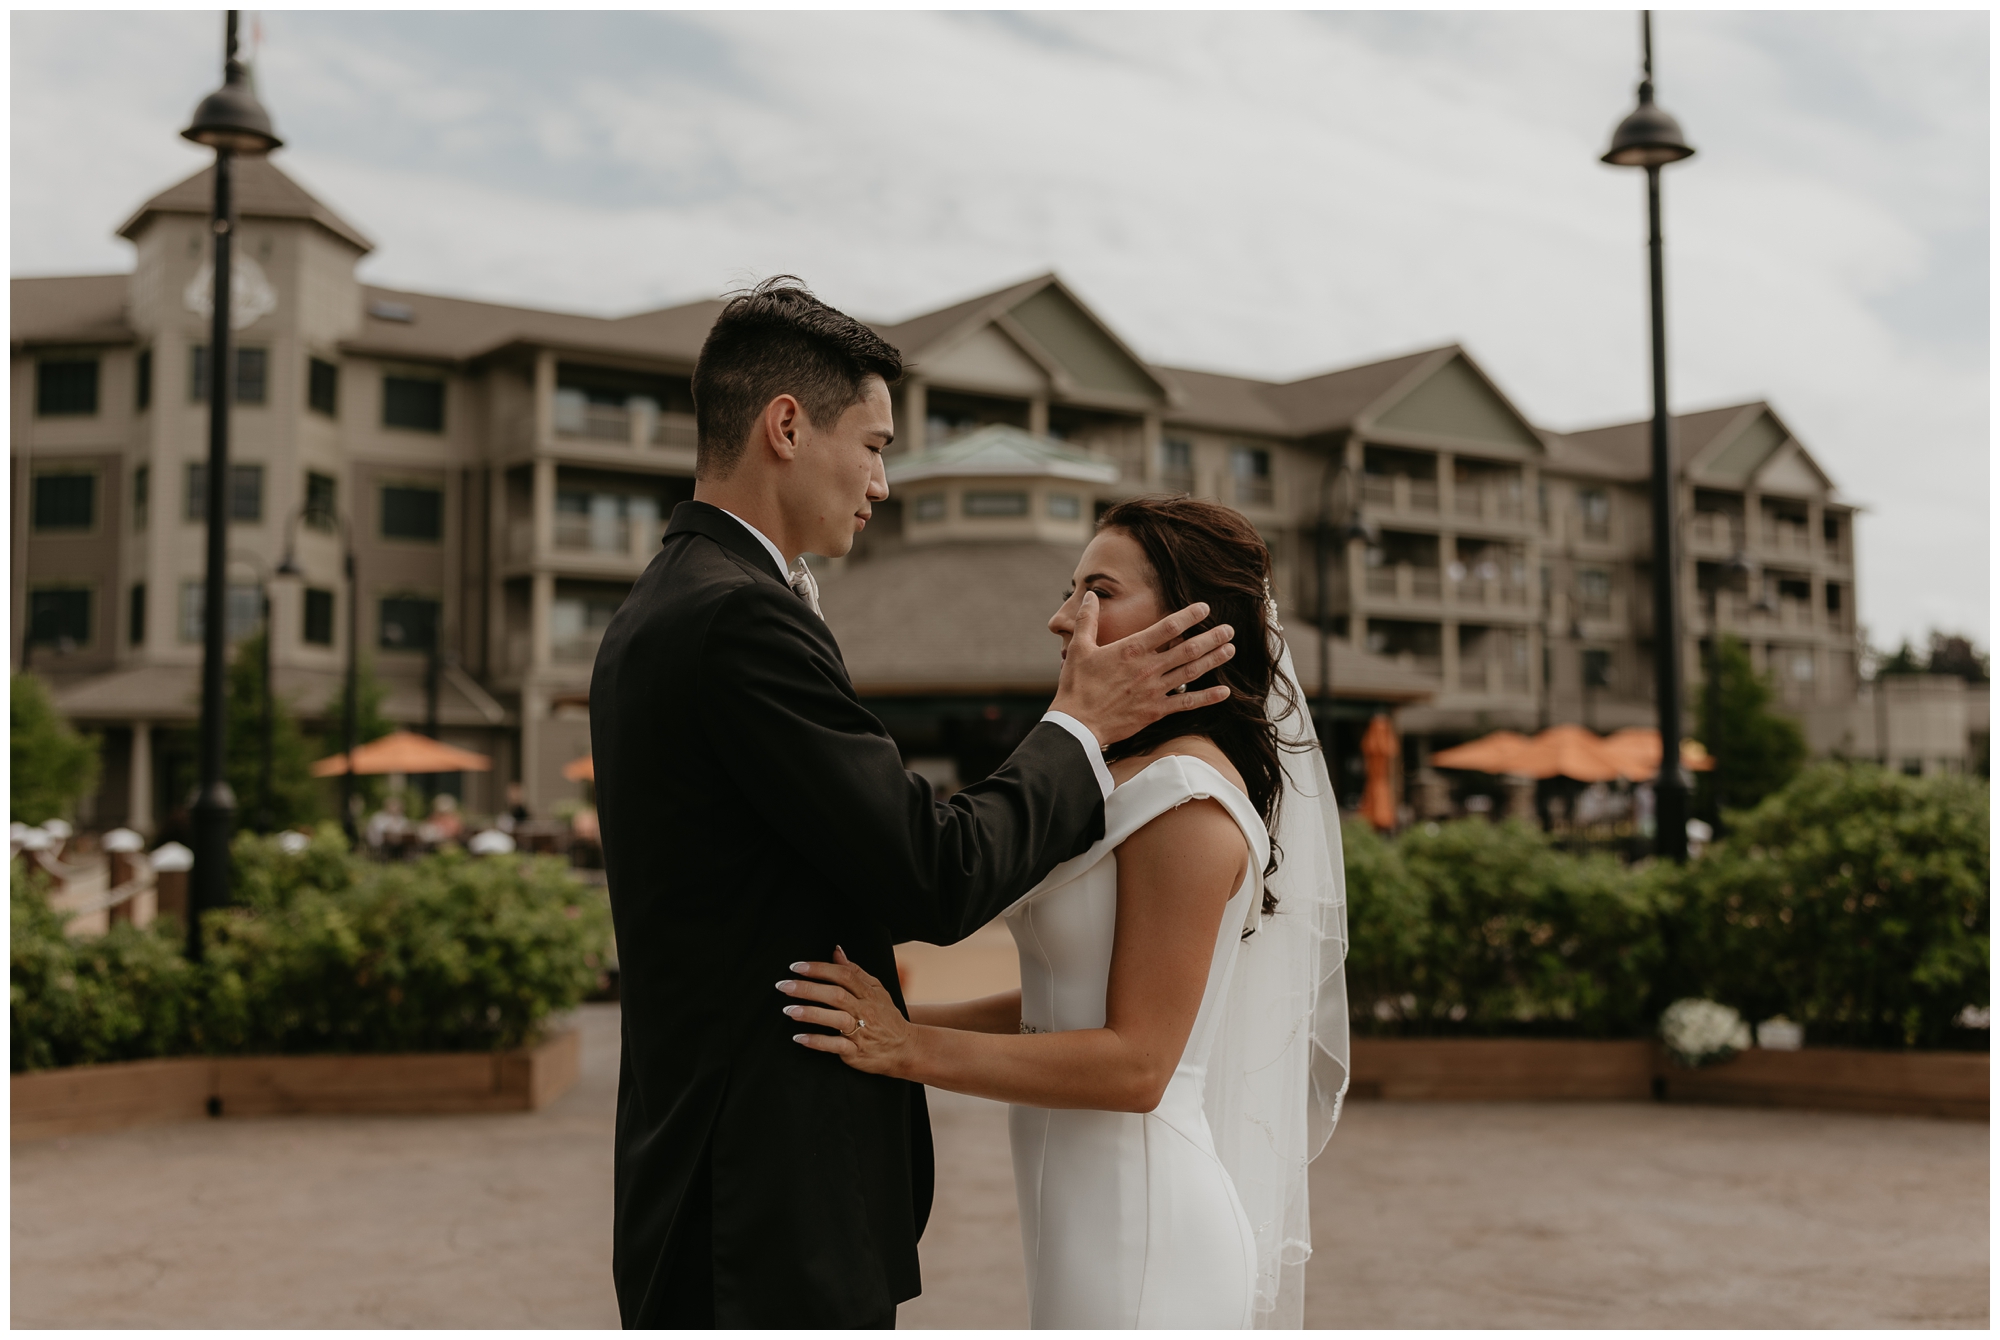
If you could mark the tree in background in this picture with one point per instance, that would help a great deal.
(1757, 749)
(371, 724)
(296, 795)
(1948, 654)
(53, 766)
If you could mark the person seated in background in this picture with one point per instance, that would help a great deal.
(516, 812)
(388, 830)
(443, 825)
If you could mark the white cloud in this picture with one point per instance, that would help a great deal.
(1264, 193)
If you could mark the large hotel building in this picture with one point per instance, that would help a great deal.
(504, 475)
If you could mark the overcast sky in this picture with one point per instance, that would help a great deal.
(1268, 194)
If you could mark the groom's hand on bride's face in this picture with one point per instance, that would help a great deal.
(1120, 688)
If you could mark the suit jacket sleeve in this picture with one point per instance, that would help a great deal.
(797, 742)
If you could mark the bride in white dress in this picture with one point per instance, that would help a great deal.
(1177, 1052)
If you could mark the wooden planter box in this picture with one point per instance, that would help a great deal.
(1833, 1079)
(1839, 1079)
(1470, 1070)
(79, 1099)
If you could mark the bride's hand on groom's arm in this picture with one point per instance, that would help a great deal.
(1120, 688)
(869, 1032)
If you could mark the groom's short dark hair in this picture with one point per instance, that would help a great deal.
(778, 339)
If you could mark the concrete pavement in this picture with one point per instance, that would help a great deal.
(1502, 1215)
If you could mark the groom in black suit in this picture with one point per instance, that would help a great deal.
(755, 814)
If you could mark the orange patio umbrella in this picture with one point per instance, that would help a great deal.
(1379, 746)
(580, 769)
(1569, 751)
(1499, 752)
(1637, 750)
(404, 751)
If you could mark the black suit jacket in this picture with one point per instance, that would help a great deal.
(753, 814)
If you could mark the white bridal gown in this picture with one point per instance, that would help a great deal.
(1129, 1219)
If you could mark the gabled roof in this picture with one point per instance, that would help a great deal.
(70, 309)
(262, 191)
(1623, 451)
(1001, 449)
(919, 333)
(1334, 400)
(1079, 351)
(459, 329)
(1217, 400)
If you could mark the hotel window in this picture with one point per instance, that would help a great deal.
(991, 504)
(1251, 467)
(65, 501)
(1177, 465)
(246, 492)
(252, 367)
(1596, 669)
(319, 617)
(142, 496)
(413, 402)
(930, 507)
(136, 617)
(408, 623)
(322, 500)
(412, 512)
(65, 386)
(322, 386)
(1595, 504)
(143, 379)
(59, 616)
(245, 611)
(1065, 506)
(1593, 591)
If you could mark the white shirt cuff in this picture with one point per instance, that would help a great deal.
(1091, 749)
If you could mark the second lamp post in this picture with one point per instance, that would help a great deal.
(1650, 139)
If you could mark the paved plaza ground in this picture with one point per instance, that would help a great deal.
(1448, 1215)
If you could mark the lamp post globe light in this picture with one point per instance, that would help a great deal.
(229, 121)
(1649, 138)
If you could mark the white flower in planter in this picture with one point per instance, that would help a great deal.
(1779, 1034)
(1702, 1032)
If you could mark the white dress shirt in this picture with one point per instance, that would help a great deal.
(1084, 736)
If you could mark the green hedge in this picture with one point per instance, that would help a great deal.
(1854, 901)
(323, 953)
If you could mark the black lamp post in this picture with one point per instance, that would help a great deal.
(1325, 539)
(351, 690)
(266, 707)
(1650, 139)
(229, 121)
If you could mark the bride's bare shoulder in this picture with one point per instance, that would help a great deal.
(1193, 746)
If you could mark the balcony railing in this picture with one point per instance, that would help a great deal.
(1413, 662)
(1253, 492)
(1714, 532)
(1781, 538)
(1405, 582)
(624, 425)
(597, 534)
(573, 649)
(1400, 493)
(1488, 502)
(1492, 676)
(1489, 592)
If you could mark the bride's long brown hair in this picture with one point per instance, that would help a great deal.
(1205, 551)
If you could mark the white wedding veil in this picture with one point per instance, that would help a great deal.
(1279, 1067)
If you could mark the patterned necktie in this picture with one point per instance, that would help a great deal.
(802, 583)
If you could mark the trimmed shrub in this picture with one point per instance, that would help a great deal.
(1854, 902)
(1476, 928)
(123, 996)
(323, 953)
